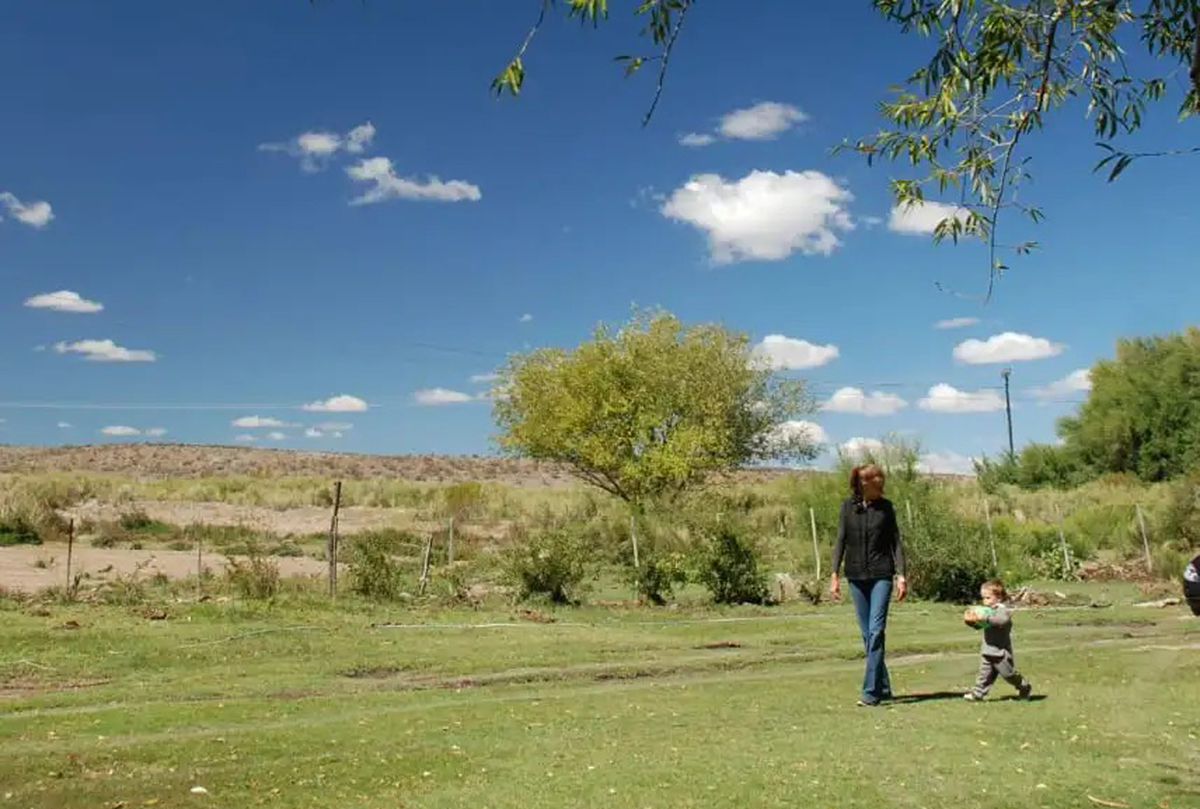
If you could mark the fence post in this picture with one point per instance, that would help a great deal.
(332, 546)
(199, 566)
(425, 564)
(987, 516)
(1145, 538)
(908, 510)
(1062, 538)
(450, 544)
(70, 549)
(812, 519)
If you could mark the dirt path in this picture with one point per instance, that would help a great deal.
(20, 566)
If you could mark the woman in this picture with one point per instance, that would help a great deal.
(868, 539)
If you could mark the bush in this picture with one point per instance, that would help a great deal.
(256, 576)
(657, 575)
(16, 529)
(1180, 522)
(551, 563)
(138, 520)
(728, 567)
(947, 556)
(375, 572)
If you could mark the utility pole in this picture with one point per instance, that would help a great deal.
(1012, 455)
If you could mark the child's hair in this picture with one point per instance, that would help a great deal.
(996, 588)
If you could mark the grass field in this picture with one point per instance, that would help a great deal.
(296, 704)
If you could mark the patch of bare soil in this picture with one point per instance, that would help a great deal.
(29, 568)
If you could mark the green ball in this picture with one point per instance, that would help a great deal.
(982, 612)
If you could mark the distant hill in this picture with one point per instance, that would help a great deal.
(193, 461)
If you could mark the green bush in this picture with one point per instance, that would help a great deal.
(255, 576)
(729, 567)
(947, 556)
(552, 563)
(375, 571)
(1180, 521)
(16, 529)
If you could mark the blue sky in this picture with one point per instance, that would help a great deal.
(155, 163)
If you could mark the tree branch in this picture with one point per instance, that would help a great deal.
(1195, 72)
(1026, 122)
(665, 62)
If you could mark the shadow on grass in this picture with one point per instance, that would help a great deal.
(934, 696)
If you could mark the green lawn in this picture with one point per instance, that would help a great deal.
(298, 705)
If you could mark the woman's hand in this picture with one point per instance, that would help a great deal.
(835, 588)
(901, 588)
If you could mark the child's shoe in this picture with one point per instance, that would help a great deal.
(1025, 691)
(971, 696)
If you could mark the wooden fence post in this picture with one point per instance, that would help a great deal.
(199, 567)
(332, 545)
(70, 550)
(987, 516)
(1062, 538)
(425, 564)
(450, 544)
(812, 519)
(1145, 538)
(908, 510)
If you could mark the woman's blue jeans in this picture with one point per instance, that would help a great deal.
(871, 598)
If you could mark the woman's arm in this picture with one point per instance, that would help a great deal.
(898, 558)
(839, 547)
(897, 545)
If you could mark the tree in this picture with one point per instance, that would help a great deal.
(998, 68)
(1143, 413)
(1142, 417)
(651, 410)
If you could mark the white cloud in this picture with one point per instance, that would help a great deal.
(1006, 347)
(483, 378)
(315, 148)
(343, 403)
(120, 430)
(871, 221)
(697, 139)
(34, 214)
(334, 427)
(943, 398)
(105, 351)
(1079, 381)
(946, 463)
(799, 428)
(313, 432)
(525, 318)
(956, 323)
(275, 435)
(922, 218)
(855, 400)
(763, 216)
(440, 396)
(859, 447)
(63, 301)
(155, 432)
(764, 121)
(788, 353)
(245, 438)
(387, 185)
(64, 425)
(258, 421)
